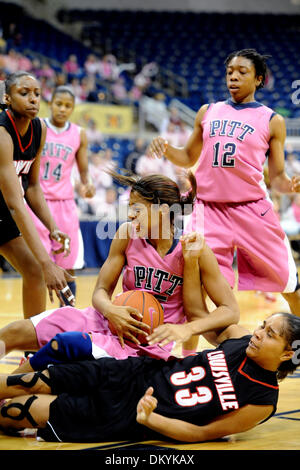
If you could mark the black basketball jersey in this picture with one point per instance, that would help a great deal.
(213, 382)
(24, 153)
(25, 147)
(97, 399)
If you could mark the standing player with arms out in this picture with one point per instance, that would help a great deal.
(230, 142)
(22, 137)
(66, 143)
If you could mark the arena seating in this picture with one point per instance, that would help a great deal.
(194, 46)
(191, 45)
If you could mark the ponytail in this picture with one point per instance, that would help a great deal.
(159, 189)
(187, 199)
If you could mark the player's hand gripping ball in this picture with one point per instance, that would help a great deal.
(148, 306)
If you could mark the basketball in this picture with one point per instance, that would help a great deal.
(147, 304)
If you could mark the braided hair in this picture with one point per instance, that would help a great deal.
(258, 60)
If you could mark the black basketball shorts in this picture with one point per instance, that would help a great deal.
(8, 227)
(96, 401)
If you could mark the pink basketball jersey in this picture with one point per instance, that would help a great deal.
(162, 277)
(235, 144)
(57, 161)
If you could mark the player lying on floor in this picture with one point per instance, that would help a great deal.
(205, 396)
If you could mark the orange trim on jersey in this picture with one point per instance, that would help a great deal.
(254, 380)
(18, 135)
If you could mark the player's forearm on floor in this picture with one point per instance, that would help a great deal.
(175, 428)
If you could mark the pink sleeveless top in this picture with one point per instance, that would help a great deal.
(162, 277)
(235, 145)
(57, 161)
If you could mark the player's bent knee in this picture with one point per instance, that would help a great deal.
(64, 347)
(54, 345)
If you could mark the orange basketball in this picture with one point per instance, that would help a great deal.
(148, 306)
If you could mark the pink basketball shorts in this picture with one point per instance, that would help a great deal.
(252, 232)
(47, 324)
(65, 214)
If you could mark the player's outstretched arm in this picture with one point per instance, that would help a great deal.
(182, 156)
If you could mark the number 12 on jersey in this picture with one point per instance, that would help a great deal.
(224, 156)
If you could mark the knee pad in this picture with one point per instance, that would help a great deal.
(72, 346)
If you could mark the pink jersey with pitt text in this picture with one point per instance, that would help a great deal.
(235, 145)
(161, 277)
(57, 161)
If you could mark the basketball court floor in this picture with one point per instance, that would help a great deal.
(281, 432)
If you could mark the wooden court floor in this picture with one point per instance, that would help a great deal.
(282, 432)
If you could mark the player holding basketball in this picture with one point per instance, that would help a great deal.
(230, 142)
(22, 137)
(66, 144)
(205, 396)
(149, 255)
